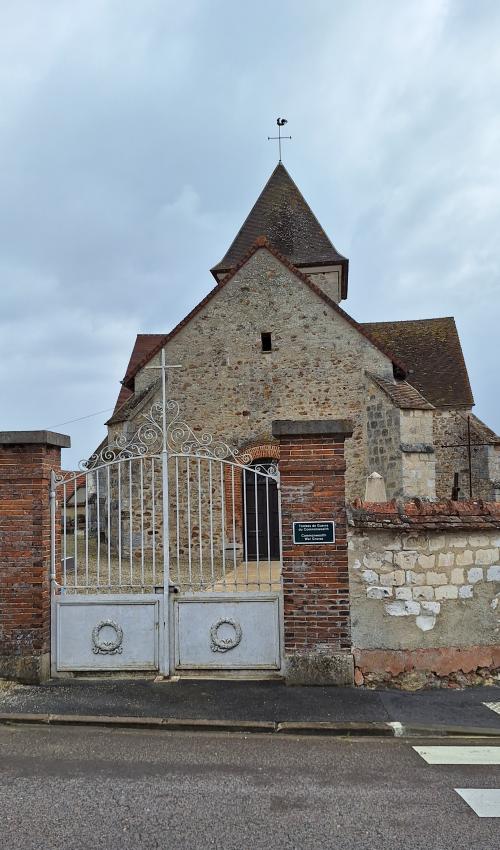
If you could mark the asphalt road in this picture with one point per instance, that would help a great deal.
(99, 788)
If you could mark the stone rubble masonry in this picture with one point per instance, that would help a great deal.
(230, 388)
(424, 584)
(450, 429)
(384, 439)
(319, 366)
(317, 638)
(26, 461)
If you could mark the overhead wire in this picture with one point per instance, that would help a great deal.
(79, 418)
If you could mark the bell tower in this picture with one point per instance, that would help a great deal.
(284, 217)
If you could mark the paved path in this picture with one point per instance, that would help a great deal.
(274, 701)
(77, 789)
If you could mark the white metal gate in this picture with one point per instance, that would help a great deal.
(166, 555)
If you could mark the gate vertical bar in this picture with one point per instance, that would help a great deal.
(165, 655)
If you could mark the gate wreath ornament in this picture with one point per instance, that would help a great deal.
(107, 647)
(224, 644)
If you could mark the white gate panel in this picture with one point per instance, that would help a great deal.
(170, 511)
(106, 633)
(233, 632)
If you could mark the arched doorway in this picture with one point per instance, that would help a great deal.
(262, 535)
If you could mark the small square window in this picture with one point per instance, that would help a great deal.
(267, 344)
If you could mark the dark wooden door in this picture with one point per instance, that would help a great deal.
(257, 512)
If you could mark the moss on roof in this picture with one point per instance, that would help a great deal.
(431, 349)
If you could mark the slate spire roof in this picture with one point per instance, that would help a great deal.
(284, 217)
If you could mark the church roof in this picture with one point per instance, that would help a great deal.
(486, 434)
(402, 394)
(431, 350)
(144, 343)
(284, 217)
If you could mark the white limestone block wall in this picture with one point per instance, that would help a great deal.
(419, 590)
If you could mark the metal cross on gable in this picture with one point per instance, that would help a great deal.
(469, 445)
(164, 391)
(281, 123)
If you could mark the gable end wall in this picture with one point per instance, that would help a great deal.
(229, 387)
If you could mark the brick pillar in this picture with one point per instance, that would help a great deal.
(26, 461)
(315, 576)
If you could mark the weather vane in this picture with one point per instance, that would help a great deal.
(281, 123)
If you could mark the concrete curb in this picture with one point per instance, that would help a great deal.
(124, 722)
(392, 729)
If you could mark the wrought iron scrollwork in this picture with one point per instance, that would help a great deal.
(180, 439)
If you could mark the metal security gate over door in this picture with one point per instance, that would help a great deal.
(165, 555)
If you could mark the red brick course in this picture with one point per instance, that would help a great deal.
(25, 557)
(315, 578)
(418, 515)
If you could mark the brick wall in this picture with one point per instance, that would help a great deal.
(315, 577)
(25, 466)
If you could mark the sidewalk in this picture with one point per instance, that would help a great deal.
(255, 702)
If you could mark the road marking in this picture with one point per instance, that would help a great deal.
(459, 755)
(485, 802)
(398, 727)
(495, 706)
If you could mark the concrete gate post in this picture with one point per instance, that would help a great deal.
(315, 575)
(26, 461)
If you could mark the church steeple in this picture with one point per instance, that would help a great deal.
(284, 217)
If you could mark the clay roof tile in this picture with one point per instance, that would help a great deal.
(432, 351)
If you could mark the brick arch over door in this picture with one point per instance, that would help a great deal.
(266, 495)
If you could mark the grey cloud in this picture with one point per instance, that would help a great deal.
(133, 144)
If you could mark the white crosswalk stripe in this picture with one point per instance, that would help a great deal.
(485, 802)
(495, 706)
(459, 755)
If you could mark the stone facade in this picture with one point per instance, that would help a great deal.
(319, 364)
(450, 429)
(230, 387)
(329, 280)
(417, 460)
(384, 440)
(400, 447)
(423, 578)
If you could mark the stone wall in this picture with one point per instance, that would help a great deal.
(423, 577)
(384, 440)
(329, 280)
(316, 369)
(418, 460)
(450, 427)
(400, 447)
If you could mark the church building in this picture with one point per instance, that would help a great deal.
(272, 341)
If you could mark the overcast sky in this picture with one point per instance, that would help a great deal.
(133, 142)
